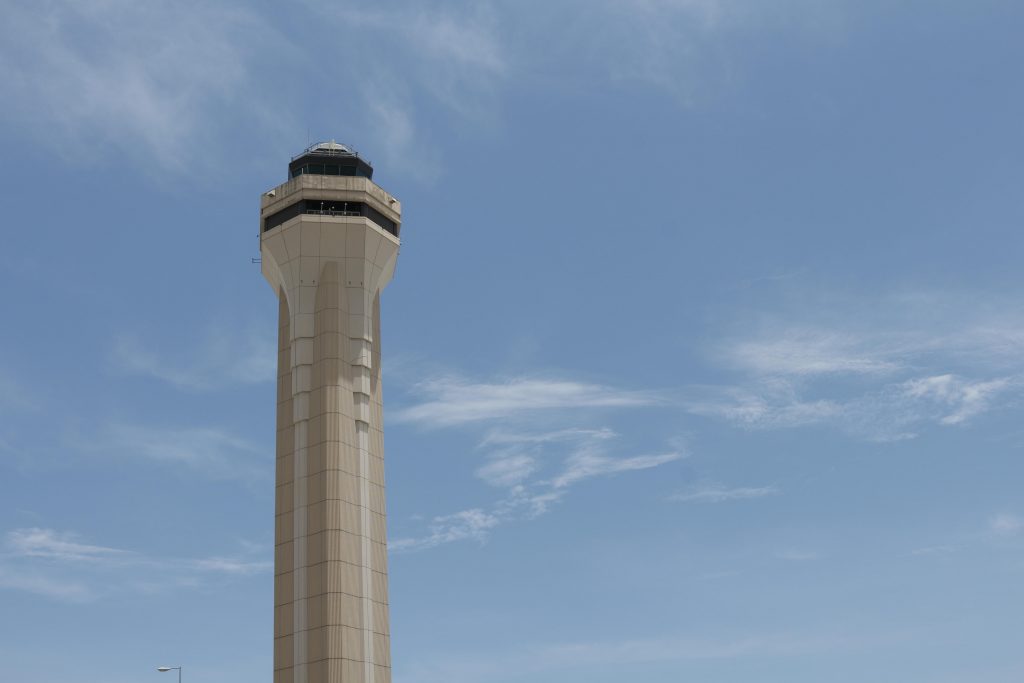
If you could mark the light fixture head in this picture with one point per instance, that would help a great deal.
(163, 668)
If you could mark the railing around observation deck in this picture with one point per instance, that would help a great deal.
(317, 207)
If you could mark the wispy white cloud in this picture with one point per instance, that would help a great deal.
(932, 550)
(60, 565)
(797, 555)
(221, 359)
(716, 493)
(144, 79)
(811, 352)
(761, 405)
(908, 363)
(465, 525)
(507, 469)
(964, 398)
(215, 452)
(523, 466)
(452, 400)
(29, 581)
(50, 544)
(887, 411)
(592, 462)
(438, 54)
(1006, 524)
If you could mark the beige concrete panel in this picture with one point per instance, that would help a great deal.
(352, 646)
(355, 271)
(334, 515)
(381, 649)
(338, 485)
(337, 456)
(387, 250)
(285, 438)
(316, 545)
(272, 247)
(302, 380)
(332, 637)
(283, 675)
(284, 623)
(316, 401)
(376, 498)
(375, 348)
(332, 427)
(317, 427)
(327, 290)
(344, 577)
(284, 583)
(376, 414)
(283, 554)
(387, 269)
(316, 515)
(357, 300)
(300, 411)
(289, 232)
(318, 613)
(302, 351)
(379, 587)
(371, 239)
(309, 235)
(342, 546)
(318, 672)
(286, 410)
(316, 580)
(361, 410)
(285, 499)
(332, 239)
(382, 674)
(272, 270)
(284, 469)
(343, 516)
(376, 444)
(355, 243)
(359, 326)
(347, 426)
(302, 325)
(306, 291)
(378, 528)
(283, 528)
(375, 471)
(330, 371)
(352, 670)
(344, 610)
(381, 621)
(316, 644)
(330, 344)
(328, 320)
(359, 352)
(283, 652)
(316, 488)
(378, 556)
(316, 459)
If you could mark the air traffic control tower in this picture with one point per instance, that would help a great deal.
(329, 241)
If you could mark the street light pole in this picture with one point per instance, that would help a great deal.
(169, 668)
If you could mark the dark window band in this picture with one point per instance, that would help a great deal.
(329, 207)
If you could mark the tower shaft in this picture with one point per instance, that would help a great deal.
(326, 254)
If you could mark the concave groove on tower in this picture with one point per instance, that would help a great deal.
(329, 242)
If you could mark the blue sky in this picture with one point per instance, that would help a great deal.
(704, 357)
